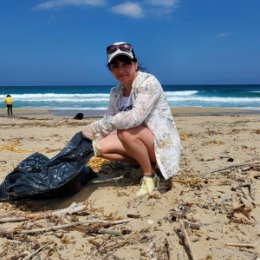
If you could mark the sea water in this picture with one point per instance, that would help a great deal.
(96, 97)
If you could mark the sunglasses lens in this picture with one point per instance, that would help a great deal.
(123, 47)
(111, 49)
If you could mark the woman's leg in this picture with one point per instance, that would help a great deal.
(139, 144)
(112, 149)
(135, 145)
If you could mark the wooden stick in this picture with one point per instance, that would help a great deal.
(100, 181)
(72, 209)
(36, 252)
(192, 225)
(235, 165)
(12, 219)
(240, 245)
(109, 231)
(166, 250)
(187, 240)
(54, 228)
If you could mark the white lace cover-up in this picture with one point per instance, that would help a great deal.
(151, 108)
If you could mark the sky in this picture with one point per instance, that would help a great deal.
(62, 42)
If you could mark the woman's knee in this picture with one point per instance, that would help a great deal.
(124, 135)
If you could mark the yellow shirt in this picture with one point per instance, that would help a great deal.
(8, 100)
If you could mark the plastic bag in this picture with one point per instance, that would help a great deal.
(38, 176)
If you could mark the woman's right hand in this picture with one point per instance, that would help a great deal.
(89, 131)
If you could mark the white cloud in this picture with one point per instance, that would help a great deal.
(160, 8)
(145, 8)
(60, 3)
(164, 3)
(223, 35)
(129, 9)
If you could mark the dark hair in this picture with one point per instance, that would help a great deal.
(124, 59)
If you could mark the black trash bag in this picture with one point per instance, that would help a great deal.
(38, 176)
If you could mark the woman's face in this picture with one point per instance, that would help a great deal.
(124, 71)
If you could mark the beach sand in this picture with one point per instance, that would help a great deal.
(211, 213)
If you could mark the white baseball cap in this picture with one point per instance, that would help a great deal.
(119, 48)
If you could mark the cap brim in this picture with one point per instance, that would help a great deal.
(118, 53)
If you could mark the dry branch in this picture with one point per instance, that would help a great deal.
(187, 240)
(36, 252)
(109, 231)
(54, 228)
(72, 209)
(192, 225)
(240, 245)
(247, 166)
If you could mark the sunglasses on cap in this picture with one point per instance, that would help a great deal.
(126, 47)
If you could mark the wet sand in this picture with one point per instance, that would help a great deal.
(180, 111)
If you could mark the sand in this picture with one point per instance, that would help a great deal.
(216, 195)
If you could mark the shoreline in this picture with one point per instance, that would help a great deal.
(178, 111)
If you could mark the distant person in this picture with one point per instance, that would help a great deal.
(9, 104)
(138, 127)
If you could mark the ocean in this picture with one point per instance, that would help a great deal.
(95, 97)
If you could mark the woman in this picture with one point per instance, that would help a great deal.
(138, 127)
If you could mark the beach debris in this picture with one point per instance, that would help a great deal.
(242, 166)
(240, 245)
(13, 147)
(3, 162)
(183, 234)
(183, 135)
(233, 215)
(98, 163)
(133, 216)
(176, 215)
(15, 216)
(30, 256)
(215, 141)
(229, 159)
(65, 226)
(257, 131)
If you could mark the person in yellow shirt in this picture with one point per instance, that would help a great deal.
(9, 105)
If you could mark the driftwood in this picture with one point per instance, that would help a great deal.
(178, 214)
(101, 228)
(246, 166)
(54, 228)
(165, 251)
(187, 240)
(247, 184)
(107, 249)
(101, 180)
(36, 252)
(109, 231)
(240, 245)
(192, 225)
(21, 216)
